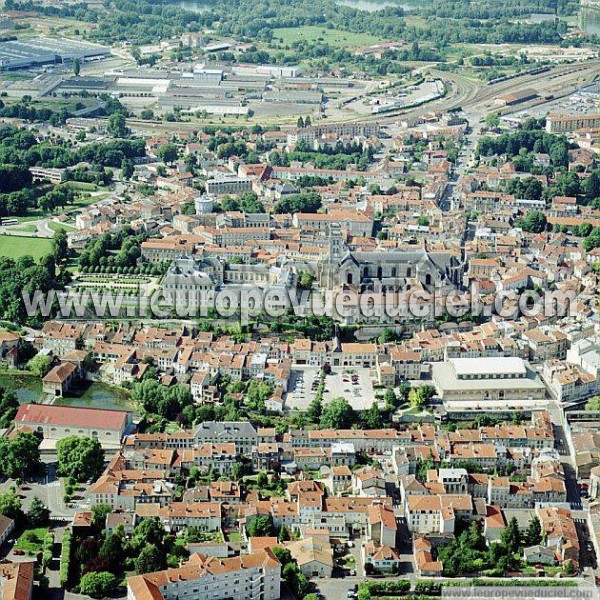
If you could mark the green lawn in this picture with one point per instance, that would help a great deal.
(15, 247)
(86, 199)
(32, 540)
(57, 226)
(333, 37)
(81, 186)
(26, 227)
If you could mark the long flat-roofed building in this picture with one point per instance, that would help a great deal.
(565, 123)
(57, 422)
(26, 53)
(487, 379)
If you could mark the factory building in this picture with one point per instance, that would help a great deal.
(32, 52)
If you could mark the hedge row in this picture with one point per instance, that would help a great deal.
(65, 559)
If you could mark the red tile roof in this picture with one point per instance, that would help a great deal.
(68, 415)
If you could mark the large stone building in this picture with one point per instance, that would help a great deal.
(387, 271)
(57, 422)
(256, 575)
(487, 379)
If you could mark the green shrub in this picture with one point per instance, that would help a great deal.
(65, 559)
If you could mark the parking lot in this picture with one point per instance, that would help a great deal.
(354, 384)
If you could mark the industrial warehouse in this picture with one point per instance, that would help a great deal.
(213, 88)
(33, 52)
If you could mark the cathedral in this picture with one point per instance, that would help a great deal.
(390, 270)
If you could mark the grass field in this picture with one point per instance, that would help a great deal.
(26, 227)
(15, 247)
(333, 37)
(81, 186)
(32, 540)
(57, 226)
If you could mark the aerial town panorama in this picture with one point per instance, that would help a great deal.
(299, 300)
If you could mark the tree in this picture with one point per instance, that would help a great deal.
(76, 67)
(534, 222)
(372, 417)
(388, 335)
(593, 404)
(257, 394)
(99, 514)
(292, 203)
(80, 457)
(591, 187)
(113, 549)
(492, 120)
(38, 514)
(149, 531)
(569, 567)
(9, 405)
(420, 396)
(168, 153)
(403, 392)
(315, 409)
(338, 414)
(117, 125)
(127, 169)
(284, 534)
(511, 536)
(305, 280)
(416, 398)
(158, 399)
(98, 584)
(474, 538)
(10, 505)
(262, 480)
(237, 470)
(20, 456)
(60, 247)
(534, 532)
(150, 559)
(260, 526)
(390, 398)
(39, 365)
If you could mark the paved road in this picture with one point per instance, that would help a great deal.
(49, 490)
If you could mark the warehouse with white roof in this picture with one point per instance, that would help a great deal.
(501, 379)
